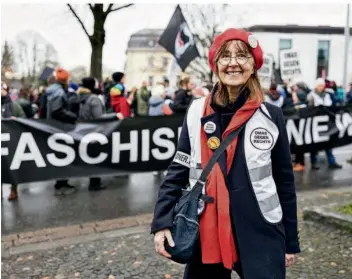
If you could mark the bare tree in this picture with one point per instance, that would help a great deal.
(7, 60)
(97, 39)
(34, 71)
(207, 21)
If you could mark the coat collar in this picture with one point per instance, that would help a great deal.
(211, 122)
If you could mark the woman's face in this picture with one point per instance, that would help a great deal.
(235, 65)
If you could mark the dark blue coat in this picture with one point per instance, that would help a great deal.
(261, 246)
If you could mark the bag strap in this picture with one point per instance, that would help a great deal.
(216, 155)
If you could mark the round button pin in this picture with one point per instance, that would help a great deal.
(213, 143)
(209, 127)
(252, 41)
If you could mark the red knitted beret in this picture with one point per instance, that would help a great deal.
(236, 34)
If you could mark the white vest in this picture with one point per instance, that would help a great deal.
(261, 135)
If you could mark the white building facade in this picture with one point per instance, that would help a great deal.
(146, 59)
(321, 49)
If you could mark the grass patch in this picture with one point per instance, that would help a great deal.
(347, 209)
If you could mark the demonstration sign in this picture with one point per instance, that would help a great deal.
(290, 64)
(265, 73)
(36, 150)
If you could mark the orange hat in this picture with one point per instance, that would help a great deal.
(236, 34)
(62, 75)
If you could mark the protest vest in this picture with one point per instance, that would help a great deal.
(260, 136)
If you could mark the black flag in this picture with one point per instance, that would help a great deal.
(47, 72)
(178, 40)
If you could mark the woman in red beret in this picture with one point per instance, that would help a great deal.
(251, 227)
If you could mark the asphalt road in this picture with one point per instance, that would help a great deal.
(38, 208)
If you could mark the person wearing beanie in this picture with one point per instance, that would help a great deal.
(72, 87)
(272, 96)
(319, 97)
(91, 108)
(61, 105)
(118, 101)
(248, 214)
(117, 78)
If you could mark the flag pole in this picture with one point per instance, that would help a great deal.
(347, 39)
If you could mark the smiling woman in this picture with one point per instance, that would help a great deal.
(235, 66)
(251, 226)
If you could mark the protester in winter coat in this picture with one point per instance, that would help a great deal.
(156, 101)
(91, 108)
(118, 100)
(272, 96)
(42, 90)
(349, 95)
(26, 105)
(252, 224)
(143, 96)
(73, 98)
(10, 109)
(108, 84)
(319, 97)
(183, 96)
(169, 92)
(299, 98)
(286, 91)
(58, 108)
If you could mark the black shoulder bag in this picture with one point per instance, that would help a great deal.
(185, 230)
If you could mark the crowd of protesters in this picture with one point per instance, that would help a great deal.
(297, 95)
(69, 102)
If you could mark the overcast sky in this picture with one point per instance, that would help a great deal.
(57, 25)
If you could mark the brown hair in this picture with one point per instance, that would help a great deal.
(221, 96)
(184, 81)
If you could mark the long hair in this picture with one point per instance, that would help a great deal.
(221, 96)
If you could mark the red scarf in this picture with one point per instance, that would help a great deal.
(217, 242)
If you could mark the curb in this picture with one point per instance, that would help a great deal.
(329, 216)
(44, 239)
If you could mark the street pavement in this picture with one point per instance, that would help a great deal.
(38, 208)
(326, 252)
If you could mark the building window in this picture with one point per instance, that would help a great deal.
(151, 80)
(323, 58)
(150, 61)
(285, 44)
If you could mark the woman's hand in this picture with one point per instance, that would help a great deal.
(159, 240)
(119, 116)
(289, 259)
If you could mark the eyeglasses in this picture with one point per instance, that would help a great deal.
(241, 59)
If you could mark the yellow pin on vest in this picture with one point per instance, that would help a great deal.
(213, 142)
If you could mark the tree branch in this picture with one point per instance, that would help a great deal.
(91, 7)
(110, 9)
(79, 20)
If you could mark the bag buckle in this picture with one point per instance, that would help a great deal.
(207, 199)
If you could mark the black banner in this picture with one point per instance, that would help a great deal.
(36, 150)
(178, 40)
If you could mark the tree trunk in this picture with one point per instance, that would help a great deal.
(96, 63)
(97, 41)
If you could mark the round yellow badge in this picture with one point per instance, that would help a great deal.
(213, 143)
